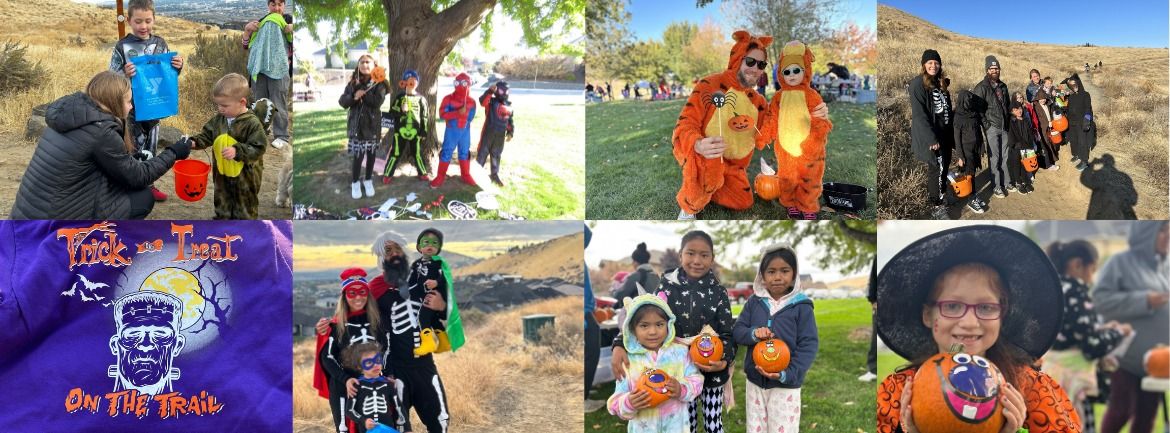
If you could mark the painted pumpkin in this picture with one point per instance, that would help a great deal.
(706, 348)
(654, 381)
(768, 186)
(1055, 136)
(1157, 362)
(771, 355)
(1060, 123)
(957, 392)
(741, 122)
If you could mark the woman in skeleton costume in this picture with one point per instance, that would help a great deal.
(402, 304)
(352, 323)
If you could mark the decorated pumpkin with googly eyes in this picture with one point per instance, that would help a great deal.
(772, 355)
(706, 349)
(654, 381)
(955, 392)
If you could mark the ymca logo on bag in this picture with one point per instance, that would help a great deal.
(155, 86)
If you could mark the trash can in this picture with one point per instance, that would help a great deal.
(533, 323)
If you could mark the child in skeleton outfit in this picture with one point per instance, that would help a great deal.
(402, 297)
(432, 273)
(411, 123)
(497, 127)
(363, 97)
(142, 41)
(457, 109)
(376, 401)
(355, 321)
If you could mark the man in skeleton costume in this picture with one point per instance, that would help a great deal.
(402, 298)
(376, 401)
(147, 341)
(355, 322)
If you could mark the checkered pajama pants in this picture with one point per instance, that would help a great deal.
(711, 400)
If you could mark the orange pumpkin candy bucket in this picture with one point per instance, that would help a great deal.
(961, 183)
(191, 179)
(1157, 362)
(654, 382)
(1055, 136)
(772, 355)
(1060, 123)
(957, 392)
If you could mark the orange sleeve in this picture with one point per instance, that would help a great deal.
(767, 120)
(818, 135)
(689, 128)
(889, 401)
(1048, 406)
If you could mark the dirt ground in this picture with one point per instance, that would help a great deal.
(16, 152)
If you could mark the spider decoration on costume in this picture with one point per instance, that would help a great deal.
(719, 99)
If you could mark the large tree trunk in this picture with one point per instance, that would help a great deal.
(420, 39)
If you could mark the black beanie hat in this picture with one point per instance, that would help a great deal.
(640, 254)
(433, 231)
(930, 55)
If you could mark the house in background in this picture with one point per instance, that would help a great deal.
(351, 56)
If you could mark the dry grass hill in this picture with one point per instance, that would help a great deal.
(495, 383)
(1130, 98)
(560, 257)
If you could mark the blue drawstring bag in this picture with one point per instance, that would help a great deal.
(155, 86)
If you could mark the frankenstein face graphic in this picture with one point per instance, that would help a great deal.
(146, 342)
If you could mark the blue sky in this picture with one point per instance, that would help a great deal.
(1107, 23)
(649, 17)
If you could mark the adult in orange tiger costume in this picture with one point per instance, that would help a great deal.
(800, 138)
(717, 130)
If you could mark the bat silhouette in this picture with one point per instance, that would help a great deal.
(86, 292)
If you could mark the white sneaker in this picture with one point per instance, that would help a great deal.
(355, 190)
(368, 185)
(1054, 167)
(684, 216)
(279, 143)
(867, 377)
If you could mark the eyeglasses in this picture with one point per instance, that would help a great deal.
(792, 71)
(356, 292)
(758, 64)
(428, 243)
(956, 310)
(370, 362)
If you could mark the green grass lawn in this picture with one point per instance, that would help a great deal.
(833, 399)
(542, 167)
(888, 361)
(632, 173)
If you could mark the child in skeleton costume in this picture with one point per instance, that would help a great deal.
(497, 127)
(355, 321)
(800, 138)
(430, 272)
(724, 108)
(139, 42)
(457, 109)
(411, 123)
(376, 401)
(402, 297)
(363, 97)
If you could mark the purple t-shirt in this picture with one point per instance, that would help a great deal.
(145, 325)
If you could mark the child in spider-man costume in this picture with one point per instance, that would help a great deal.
(457, 109)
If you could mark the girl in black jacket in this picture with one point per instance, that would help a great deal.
(363, 98)
(83, 166)
(931, 120)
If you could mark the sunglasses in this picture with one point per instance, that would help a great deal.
(792, 71)
(759, 64)
(956, 310)
(370, 362)
(356, 292)
(428, 243)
